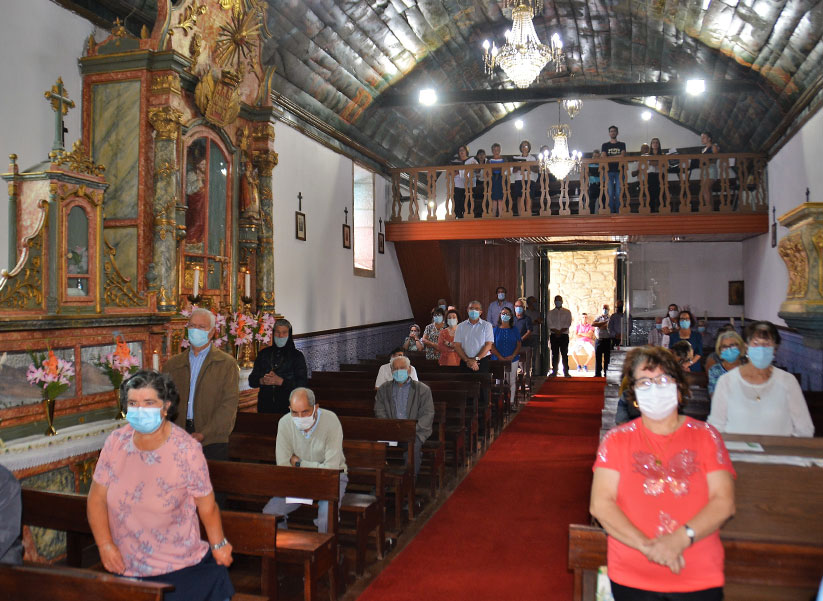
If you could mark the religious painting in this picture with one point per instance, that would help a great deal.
(736, 292)
(346, 236)
(300, 225)
(197, 200)
(381, 244)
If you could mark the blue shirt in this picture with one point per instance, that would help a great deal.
(523, 324)
(195, 363)
(400, 398)
(696, 340)
(472, 336)
(495, 308)
(505, 341)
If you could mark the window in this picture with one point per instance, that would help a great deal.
(363, 220)
(77, 253)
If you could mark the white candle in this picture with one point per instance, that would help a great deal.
(248, 284)
(155, 361)
(196, 291)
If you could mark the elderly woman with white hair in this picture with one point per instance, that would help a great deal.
(731, 352)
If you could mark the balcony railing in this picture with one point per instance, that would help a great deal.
(688, 183)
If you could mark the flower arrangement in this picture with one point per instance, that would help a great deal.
(265, 328)
(119, 363)
(241, 328)
(53, 375)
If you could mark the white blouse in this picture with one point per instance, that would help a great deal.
(774, 408)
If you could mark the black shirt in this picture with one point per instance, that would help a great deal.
(286, 362)
(613, 149)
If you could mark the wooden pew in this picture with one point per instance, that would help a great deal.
(250, 534)
(782, 572)
(316, 552)
(357, 428)
(35, 583)
(362, 457)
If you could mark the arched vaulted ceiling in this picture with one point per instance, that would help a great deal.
(339, 60)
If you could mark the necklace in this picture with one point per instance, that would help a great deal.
(657, 452)
(757, 389)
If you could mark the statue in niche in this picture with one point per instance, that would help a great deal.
(250, 193)
(197, 200)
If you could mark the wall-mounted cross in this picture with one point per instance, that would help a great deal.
(380, 227)
(60, 103)
(300, 201)
(346, 211)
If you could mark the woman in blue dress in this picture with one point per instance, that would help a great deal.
(507, 348)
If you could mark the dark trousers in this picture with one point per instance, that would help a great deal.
(627, 593)
(560, 346)
(459, 202)
(602, 356)
(654, 192)
(594, 197)
(485, 392)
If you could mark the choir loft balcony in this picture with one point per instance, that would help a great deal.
(713, 195)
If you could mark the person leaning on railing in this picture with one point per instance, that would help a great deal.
(520, 176)
(462, 180)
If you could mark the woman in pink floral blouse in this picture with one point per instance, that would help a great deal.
(150, 483)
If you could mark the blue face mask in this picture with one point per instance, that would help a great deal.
(730, 354)
(438, 319)
(280, 342)
(659, 326)
(761, 356)
(501, 296)
(400, 375)
(144, 419)
(504, 318)
(198, 337)
(518, 310)
(443, 307)
(474, 314)
(685, 323)
(701, 329)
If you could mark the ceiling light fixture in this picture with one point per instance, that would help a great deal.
(560, 163)
(523, 57)
(572, 106)
(518, 124)
(646, 115)
(695, 86)
(427, 96)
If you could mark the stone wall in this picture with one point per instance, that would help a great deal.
(585, 280)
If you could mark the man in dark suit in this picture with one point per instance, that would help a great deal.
(403, 398)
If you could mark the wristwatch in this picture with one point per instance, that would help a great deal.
(220, 545)
(297, 463)
(477, 358)
(690, 533)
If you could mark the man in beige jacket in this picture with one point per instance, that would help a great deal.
(208, 382)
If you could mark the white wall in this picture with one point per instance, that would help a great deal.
(315, 285)
(795, 168)
(40, 41)
(695, 275)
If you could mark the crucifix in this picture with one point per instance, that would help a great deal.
(380, 230)
(300, 201)
(60, 103)
(346, 211)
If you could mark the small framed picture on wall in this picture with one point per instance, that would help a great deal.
(300, 225)
(736, 292)
(381, 244)
(346, 236)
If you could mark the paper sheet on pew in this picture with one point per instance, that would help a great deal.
(740, 445)
(299, 500)
(391, 443)
(778, 459)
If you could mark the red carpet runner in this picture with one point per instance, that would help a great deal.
(503, 534)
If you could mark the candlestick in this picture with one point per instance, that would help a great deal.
(196, 289)
(248, 284)
(155, 361)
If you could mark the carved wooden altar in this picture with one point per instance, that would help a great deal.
(172, 172)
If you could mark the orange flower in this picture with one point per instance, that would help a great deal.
(122, 352)
(50, 364)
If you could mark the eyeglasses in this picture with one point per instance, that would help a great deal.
(646, 383)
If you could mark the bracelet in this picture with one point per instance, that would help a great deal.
(220, 545)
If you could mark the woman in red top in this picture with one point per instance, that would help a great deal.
(445, 342)
(663, 486)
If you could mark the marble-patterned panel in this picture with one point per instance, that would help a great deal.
(33, 193)
(50, 544)
(124, 241)
(115, 134)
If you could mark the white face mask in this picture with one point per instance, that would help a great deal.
(658, 401)
(673, 314)
(452, 322)
(304, 423)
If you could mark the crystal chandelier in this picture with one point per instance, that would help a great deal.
(522, 57)
(560, 163)
(572, 106)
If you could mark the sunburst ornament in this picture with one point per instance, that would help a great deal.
(238, 39)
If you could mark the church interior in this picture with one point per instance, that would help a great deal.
(311, 161)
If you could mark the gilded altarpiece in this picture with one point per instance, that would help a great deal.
(173, 168)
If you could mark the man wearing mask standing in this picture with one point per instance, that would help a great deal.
(523, 323)
(616, 324)
(669, 324)
(496, 306)
(603, 346)
(404, 398)
(308, 436)
(208, 382)
(278, 369)
(559, 320)
(473, 340)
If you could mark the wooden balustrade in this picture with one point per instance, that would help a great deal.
(693, 183)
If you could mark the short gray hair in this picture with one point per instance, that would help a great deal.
(406, 362)
(204, 311)
(283, 322)
(302, 390)
(475, 302)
